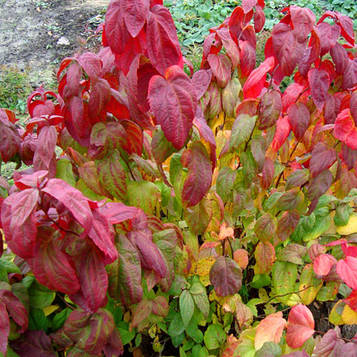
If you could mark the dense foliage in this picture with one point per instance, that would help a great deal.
(204, 213)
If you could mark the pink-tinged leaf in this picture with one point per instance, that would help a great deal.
(248, 5)
(102, 235)
(269, 329)
(327, 343)
(331, 109)
(4, 328)
(297, 354)
(299, 119)
(125, 273)
(349, 156)
(173, 102)
(45, 148)
(319, 185)
(350, 75)
(256, 80)
(225, 276)
(265, 257)
(269, 109)
(53, 268)
(322, 158)
(199, 176)
(72, 199)
(162, 43)
(247, 58)
(200, 81)
(114, 345)
(300, 326)
(229, 45)
(259, 19)
(303, 20)
(291, 94)
(116, 33)
(345, 129)
(99, 97)
(323, 264)
(353, 106)
(9, 138)
(117, 212)
(93, 280)
(268, 173)
(328, 35)
(206, 134)
(19, 223)
(15, 308)
(319, 81)
(347, 270)
(344, 349)
(351, 300)
(346, 25)
(30, 179)
(91, 64)
(287, 49)
(339, 57)
(281, 133)
(150, 256)
(135, 14)
(221, 68)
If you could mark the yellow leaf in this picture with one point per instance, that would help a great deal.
(202, 268)
(48, 310)
(349, 228)
(335, 316)
(349, 316)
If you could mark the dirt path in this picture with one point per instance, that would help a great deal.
(37, 34)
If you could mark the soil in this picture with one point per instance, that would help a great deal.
(36, 35)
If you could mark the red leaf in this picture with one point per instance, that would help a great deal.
(339, 57)
(248, 5)
(303, 20)
(281, 133)
(225, 276)
(117, 212)
(256, 80)
(135, 14)
(345, 129)
(350, 75)
(351, 300)
(322, 158)
(53, 268)
(91, 64)
(34, 344)
(199, 176)
(268, 173)
(346, 25)
(323, 264)
(173, 102)
(9, 138)
(353, 106)
(114, 345)
(221, 68)
(163, 45)
(229, 45)
(347, 270)
(319, 81)
(116, 33)
(200, 81)
(248, 58)
(15, 308)
(269, 109)
(72, 199)
(287, 49)
(93, 280)
(4, 328)
(328, 35)
(299, 119)
(45, 148)
(291, 94)
(259, 19)
(18, 221)
(102, 236)
(300, 326)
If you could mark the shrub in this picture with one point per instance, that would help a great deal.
(202, 214)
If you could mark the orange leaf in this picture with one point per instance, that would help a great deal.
(270, 330)
(241, 257)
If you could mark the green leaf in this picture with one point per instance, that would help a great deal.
(187, 306)
(199, 351)
(343, 212)
(214, 337)
(260, 280)
(176, 327)
(9, 266)
(126, 335)
(64, 171)
(270, 349)
(40, 296)
(60, 318)
(284, 276)
(241, 131)
(194, 332)
(200, 298)
(225, 183)
(38, 320)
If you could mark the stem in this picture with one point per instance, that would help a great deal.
(290, 293)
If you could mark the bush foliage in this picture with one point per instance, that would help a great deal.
(192, 215)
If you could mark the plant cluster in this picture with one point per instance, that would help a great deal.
(205, 212)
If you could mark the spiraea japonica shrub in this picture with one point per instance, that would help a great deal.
(186, 214)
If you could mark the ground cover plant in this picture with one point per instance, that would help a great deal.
(186, 213)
